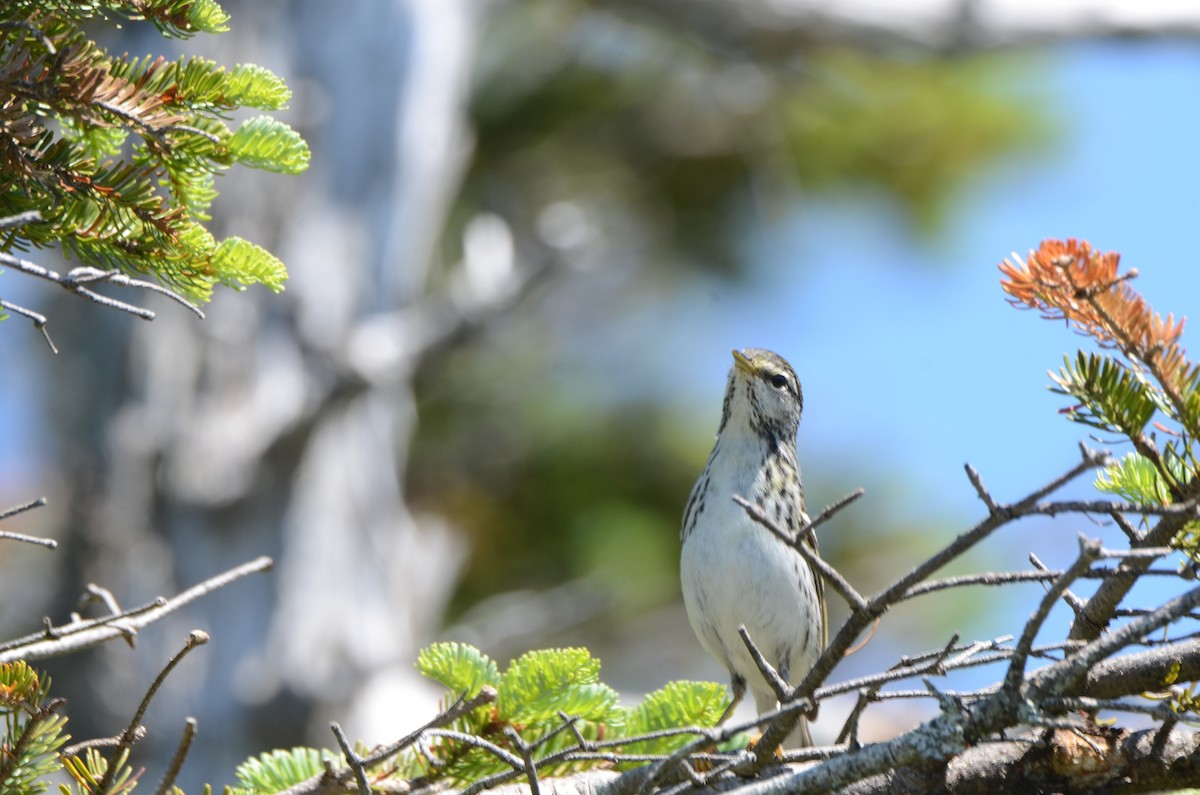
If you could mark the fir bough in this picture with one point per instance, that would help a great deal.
(33, 731)
(1140, 385)
(119, 154)
(543, 698)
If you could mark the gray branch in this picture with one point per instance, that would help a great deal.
(81, 634)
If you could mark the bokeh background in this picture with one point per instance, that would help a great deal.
(531, 233)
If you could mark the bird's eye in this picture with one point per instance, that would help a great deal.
(779, 380)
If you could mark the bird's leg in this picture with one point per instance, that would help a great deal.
(738, 685)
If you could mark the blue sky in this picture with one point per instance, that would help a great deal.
(909, 354)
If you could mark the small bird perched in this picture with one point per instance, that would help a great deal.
(736, 572)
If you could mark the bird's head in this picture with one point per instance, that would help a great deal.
(763, 393)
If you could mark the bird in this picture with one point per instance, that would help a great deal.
(734, 571)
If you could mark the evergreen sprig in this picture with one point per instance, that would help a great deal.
(1113, 397)
(533, 694)
(275, 771)
(119, 154)
(33, 732)
(1140, 379)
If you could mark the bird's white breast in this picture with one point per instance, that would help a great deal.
(734, 571)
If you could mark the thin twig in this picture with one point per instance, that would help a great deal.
(1087, 704)
(507, 757)
(97, 593)
(352, 759)
(984, 578)
(830, 511)
(39, 321)
(960, 695)
(461, 706)
(49, 543)
(177, 759)
(1140, 552)
(1089, 552)
(97, 742)
(570, 721)
(831, 575)
(98, 632)
(8, 513)
(488, 782)
(77, 280)
(527, 757)
(849, 732)
(913, 659)
(1127, 527)
(977, 482)
(962, 658)
(195, 638)
(1073, 601)
(783, 690)
(1091, 459)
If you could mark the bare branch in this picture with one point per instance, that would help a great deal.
(877, 605)
(77, 281)
(1060, 678)
(1127, 528)
(98, 593)
(831, 575)
(504, 756)
(39, 321)
(8, 513)
(99, 742)
(570, 722)
(130, 735)
(460, 707)
(783, 690)
(849, 731)
(1059, 761)
(527, 757)
(830, 511)
(1142, 671)
(333, 778)
(1089, 552)
(352, 759)
(977, 481)
(1099, 609)
(177, 759)
(70, 638)
(29, 216)
(49, 543)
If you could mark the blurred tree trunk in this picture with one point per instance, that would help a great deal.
(279, 425)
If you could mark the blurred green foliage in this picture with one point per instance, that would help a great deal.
(675, 148)
(654, 127)
(548, 495)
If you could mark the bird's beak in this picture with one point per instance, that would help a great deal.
(742, 363)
